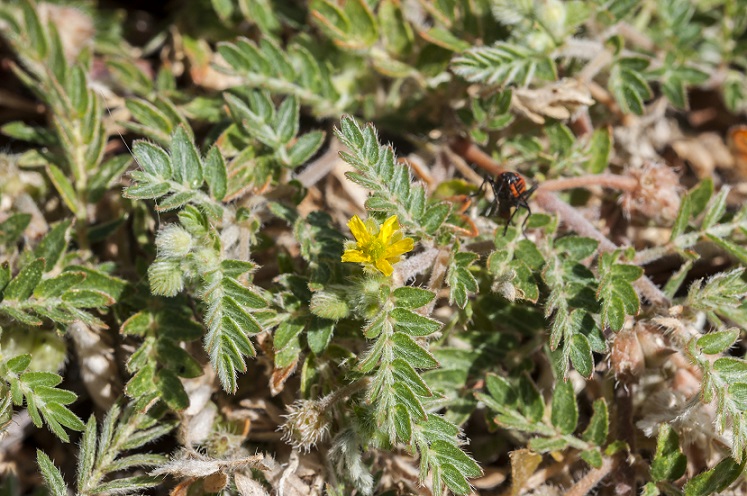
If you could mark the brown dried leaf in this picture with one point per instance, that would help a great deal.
(704, 152)
(279, 376)
(558, 100)
(523, 464)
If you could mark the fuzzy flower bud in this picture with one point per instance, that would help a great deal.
(165, 277)
(173, 241)
(307, 424)
(328, 305)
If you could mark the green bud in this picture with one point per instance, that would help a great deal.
(166, 277)
(328, 305)
(173, 241)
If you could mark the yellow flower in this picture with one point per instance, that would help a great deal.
(376, 248)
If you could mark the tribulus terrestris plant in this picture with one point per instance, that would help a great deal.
(373, 247)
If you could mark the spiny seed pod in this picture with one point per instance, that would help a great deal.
(306, 424)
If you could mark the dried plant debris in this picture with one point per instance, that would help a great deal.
(270, 248)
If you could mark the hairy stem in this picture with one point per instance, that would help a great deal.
(594, 477)
(612, 181)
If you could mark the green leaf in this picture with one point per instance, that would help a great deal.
(718, 342)
(171, 390)
(412, 323)
(730, 369)
(593, 457)
(87, 298)
(628, 86)
(453, 478)
(24, 132)
(58, 285)
(286, 120)
(410, 297)
(580, 355)
(34, 29)
(18, 364)
(87, 454)
(99, 281)
(405, 374)
(405, 396)
(304, 148)
(434, 216)
(500, 390)
(530, 399)
(52, 476)
(700, 195)
(4, 277)
(504, 64)
(457, 458)
(395, 29)
(564, 414)
(683, 218)
(407, 349)
(739, 252)
(177, 200)
(12, 228)
(143, 382)
(715, 210)
(136, 483)
(21, 287)
(319, 334)
(150, 116)
(187, 167)
(152, 159)
(669, 464)
(577, 247)
(597, 430)
(545, 445)
(716, 479)
(214, 169)
(224, 9)
(460, 279)
(287, 332)
(176, 359)
(146, 191)
(675, 282)
(64, 187)
(738, 394)
(560, 138)
(599, 150)
(402, 423)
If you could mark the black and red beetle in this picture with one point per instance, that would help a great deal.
(509, 192)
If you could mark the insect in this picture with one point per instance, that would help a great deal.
(509, 191)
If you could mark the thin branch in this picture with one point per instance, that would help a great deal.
(612, 181)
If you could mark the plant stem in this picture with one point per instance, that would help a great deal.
(612, 181)
(594, 477)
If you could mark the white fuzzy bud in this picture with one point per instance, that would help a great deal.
(173, 241)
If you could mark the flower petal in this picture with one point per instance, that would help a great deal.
(390, 226)
(355, 256)
(384, 267)
(399, 248)
(359, 230)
